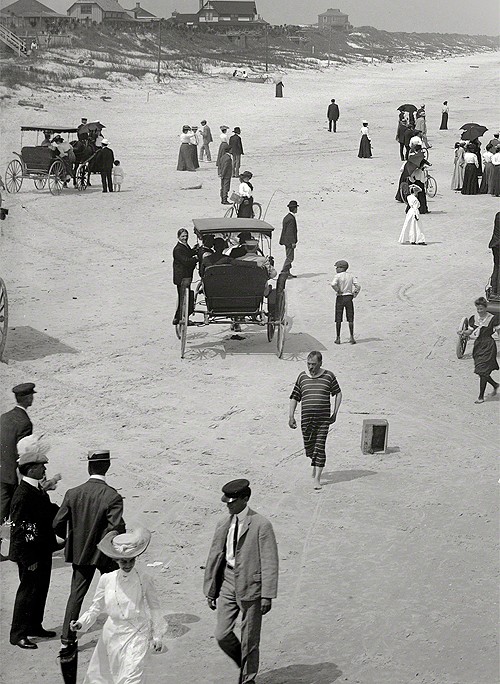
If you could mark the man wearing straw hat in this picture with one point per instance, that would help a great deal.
(241, 575)
(88, 512)
(32, 542)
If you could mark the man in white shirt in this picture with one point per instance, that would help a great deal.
(347, 287)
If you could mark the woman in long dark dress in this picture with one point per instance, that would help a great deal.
(475, 146)
(481, 327)
(471, 185)
(444, 117)
(365, 146)
(279, 89)
(400, 135)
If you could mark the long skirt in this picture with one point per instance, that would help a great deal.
(194, 156)
(186, 162)
(245, 210)
(411, 232)
(365, 148)
(470, 186)
(279, 89)
(484, 354)
(314, 434)
(422, 198)
(457, 179)
(402, 179)
(485, 186)
(495, 181)
(444, 122)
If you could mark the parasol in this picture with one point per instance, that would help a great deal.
(468, 125)
(91, 126)
(407, 108)
(474, 132)
(415, 158)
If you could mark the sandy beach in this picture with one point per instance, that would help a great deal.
(389, 574)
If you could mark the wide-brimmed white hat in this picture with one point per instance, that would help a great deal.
(32, 449)
(127, 545)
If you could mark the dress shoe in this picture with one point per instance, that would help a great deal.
(42, 633)
(25, 643)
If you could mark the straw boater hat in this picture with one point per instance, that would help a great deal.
(127, 545)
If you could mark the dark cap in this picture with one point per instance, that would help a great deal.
(342, 264)
(292, 203)
(24, 389)
(99, 455)
(244, 235)
(236, 129)
(236, 489)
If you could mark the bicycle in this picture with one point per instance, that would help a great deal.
(232, 212)
(431, 186)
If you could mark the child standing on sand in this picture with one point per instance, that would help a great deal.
(347, 287)
(118, 175)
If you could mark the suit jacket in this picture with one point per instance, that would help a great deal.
(333, 111)
(31, 535)
(87, 513)
(256, 562)
(206, 134)
(226, 166)
(184, 262)
(14, 425)
(235, 144)
(105, 159)
(289, 230)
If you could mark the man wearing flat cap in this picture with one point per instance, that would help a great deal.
(14, 425)
(32, 542)
(289, 237)
(241, 575)
(88, 512)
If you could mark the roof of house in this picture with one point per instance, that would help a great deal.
(232, 7)
(183, 18)
(29, 8)
(141, 13)
(105, 5)
(331, 11)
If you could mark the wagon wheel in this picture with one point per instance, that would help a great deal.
(57, 177)
(40, 182)
(4, 316)
(281, 323)
(183, 324)
(257, 210)
(82, 178)
(14, 176)
(462, 341)
(431, 186)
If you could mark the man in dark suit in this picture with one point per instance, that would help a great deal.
(105, 159)
(32, 542)
(241, 575)
(225, 172)
(289, 237)
(183, 267)
(88, 512)
(333, 115)
(14, 425)
(236, 148)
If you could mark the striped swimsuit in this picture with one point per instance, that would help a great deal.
(314, 393)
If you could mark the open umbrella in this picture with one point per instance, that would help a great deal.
(415, 159)
(407, 108)
(91, 126)
(474, 132)
(468, 125)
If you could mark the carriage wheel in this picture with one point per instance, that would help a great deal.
(270, 330)
(431, 186)
(183, 325)
(281, 323)
(257, 210)
(14, 176)
(230, 212)
(462, 341)
(82, 178)
(4, 316)
(57, 177)
(40, 183)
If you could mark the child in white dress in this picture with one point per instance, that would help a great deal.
(118, 175)
(411, 232)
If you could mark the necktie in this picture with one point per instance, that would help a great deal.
(235, 537)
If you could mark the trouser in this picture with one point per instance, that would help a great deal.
(185, 284)
(107, 180)
(205, 148)
(236, 165)
(225, 187)
(80, 584)
(495, 276)
(332, 122)
(31, 597)
(402, 152)
(245, 653)
(6, 493)
(289, 256)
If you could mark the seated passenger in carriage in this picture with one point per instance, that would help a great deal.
(46, 140)
(65, 152)
(251, 246)
(217, 257)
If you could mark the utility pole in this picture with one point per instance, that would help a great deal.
(158, 71)
(267, 50)
(330, 43)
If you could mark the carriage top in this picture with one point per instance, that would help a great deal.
(214, 226)
(52, 129)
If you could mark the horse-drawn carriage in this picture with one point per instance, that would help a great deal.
(236, 292)
(43, 165)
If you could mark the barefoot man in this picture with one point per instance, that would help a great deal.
(314, 390)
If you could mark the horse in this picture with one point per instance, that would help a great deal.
(85, 153)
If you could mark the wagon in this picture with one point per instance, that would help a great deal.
(238, 291)
(493, 308)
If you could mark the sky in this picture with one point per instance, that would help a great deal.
(442, 16)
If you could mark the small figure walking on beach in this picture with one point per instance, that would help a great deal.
(314, 390)
(279, 88)
(347, 288)
(118, 175)
(411, 232)
(365, 144)
(444, 116)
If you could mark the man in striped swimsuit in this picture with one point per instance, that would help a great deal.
(314, 391)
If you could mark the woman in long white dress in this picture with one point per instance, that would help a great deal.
(135, 625)
(411, 232)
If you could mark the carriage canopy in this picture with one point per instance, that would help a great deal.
(52, 129)
(231, 225)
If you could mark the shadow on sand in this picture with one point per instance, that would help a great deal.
(344, 476)
(320, 673)
(24, 343)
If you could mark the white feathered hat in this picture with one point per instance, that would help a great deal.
(32, 449)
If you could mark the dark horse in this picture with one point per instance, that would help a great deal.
(85, 154)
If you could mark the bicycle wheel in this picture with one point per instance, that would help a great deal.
(257, 210)
(230, 212)
(462, 341)
(431, 186)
